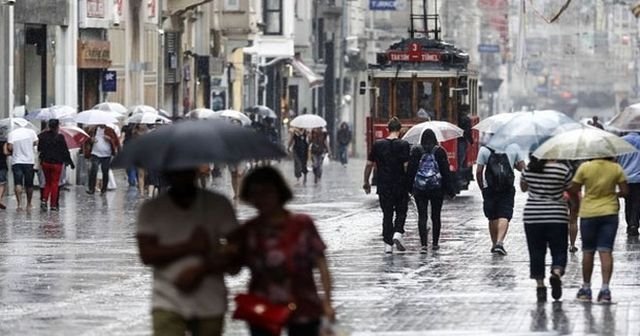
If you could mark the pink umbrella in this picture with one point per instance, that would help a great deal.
(74, 136)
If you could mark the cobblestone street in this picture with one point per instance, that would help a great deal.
(78, 273)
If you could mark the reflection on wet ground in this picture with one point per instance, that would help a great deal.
(77, 272)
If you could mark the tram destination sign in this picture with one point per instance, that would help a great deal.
(414, 54)
(383, 5)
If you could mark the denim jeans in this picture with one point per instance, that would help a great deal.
(132, 176)
(598, 233)
(104, 163)
(539, 236)
(632, 206)
(422, 203)
(343, 153)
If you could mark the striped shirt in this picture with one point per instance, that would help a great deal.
(545, 203)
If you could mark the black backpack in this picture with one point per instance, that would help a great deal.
(499, 173)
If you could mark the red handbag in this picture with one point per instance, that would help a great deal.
(261, 313)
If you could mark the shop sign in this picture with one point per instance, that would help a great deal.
(95, 9)
(109, 81)
(93, 54)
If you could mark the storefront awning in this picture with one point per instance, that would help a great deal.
(306, 72)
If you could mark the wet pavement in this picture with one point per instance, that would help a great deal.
(77, 272)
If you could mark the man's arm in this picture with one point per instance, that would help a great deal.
(480, 176)
(367, 177)
(575, 188)
(154, 254)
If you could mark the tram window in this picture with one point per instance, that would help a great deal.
(384, 100)
(404, 99)
(426, 100)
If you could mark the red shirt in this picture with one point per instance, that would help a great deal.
(281, 260)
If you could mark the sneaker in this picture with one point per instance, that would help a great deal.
(435, 247)
(541, 294)
(43, 206)
(573, 249)
(584, 294)
(91, 192)
(388, 249)
(556, 286)
(55, 208)
(424, 250)
(399, 242)
(493, 249)
(604, 296)
(499, 249)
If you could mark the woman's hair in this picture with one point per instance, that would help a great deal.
(266, 176)
(428, 140)
(536, 165)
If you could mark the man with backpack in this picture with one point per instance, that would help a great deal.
(390, 157)
(496, 179)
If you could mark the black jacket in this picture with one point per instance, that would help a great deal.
(53, 148)
(443, 164)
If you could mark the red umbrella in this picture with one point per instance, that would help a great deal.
(74, 136)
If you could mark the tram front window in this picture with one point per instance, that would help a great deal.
(404, 100)
(384, 100)
(426, 101)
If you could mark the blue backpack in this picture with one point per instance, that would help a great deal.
(428, 177)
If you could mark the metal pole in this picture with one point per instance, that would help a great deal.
(160, 69)
(341, 54)
(7, 60)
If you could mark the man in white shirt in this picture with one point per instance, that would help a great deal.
(179, 235)
(22, 160)
(498, 200)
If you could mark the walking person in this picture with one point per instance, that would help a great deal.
(104, 144)
(429, 180)
(138, 131)
(599, 219)
(546, 221)
(4, 171)
(132, 173)
(390, 157)
(23, 159)
(318, 149)
(496, 180)
(631, 165)
(344, 140)
(54, 155)
(282, 250)
(179, 235)
(299, 147)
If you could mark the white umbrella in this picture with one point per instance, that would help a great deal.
(9, 124)
(147, 118)
(60, 112)
(308, 121)
(111, 107)
(142, 109)
(232, 114)
(494, 122)
(164, 113)
(96, 117)
(203, 113)
(22, 134)
(444, 131)
(583, 144)
(628, 120)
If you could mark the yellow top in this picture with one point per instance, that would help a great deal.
(600, 178)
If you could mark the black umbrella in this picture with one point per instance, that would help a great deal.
(191, 143)
(263, 111)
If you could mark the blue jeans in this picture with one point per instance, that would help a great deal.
(104, 164)
(598, 233)
(343, 153)
(132, 176)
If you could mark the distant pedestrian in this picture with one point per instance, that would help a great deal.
(318, 149)
(495, 177)
(344, 140)
(546, 221)
(282, 250)
(4, 171)
(23, 158)
(299, 148)
(179, 236)
(390, 157)
(138, 131)
(102, 146)
(595, 122)
(631, 165)
(132, 174)
(54, 155)
(430, 181)
(599, 219)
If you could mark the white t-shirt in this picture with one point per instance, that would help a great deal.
(512, 151)
(23, 152)
(171, 225)
(102, 146)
